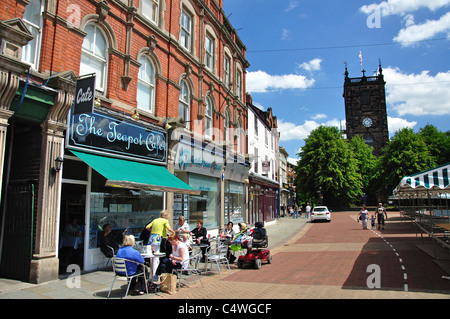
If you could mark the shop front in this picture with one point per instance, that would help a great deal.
(263, 199)
(114, 173)
(235, 199)
(200, 165)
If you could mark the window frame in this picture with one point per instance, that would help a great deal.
(37, 40)
(208, 117)
(104, 60)
(151, 85)
(186, 34)
(186, 104)
(209, 52)
(155, 12)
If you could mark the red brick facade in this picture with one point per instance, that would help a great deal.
(130, 34)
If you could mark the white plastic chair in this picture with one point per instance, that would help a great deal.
(220, 258)
(120, 271)
(191, 268)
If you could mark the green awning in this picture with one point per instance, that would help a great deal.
(135, 175)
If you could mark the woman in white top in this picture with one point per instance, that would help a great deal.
(182, 227)
(180, 252)
(363, 216)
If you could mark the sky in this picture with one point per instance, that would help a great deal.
(297, 50)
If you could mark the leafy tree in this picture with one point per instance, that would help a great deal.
(327, 167)
(438, 143)
(405, 154)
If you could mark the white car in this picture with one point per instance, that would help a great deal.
(320, 213)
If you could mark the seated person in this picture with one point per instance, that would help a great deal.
(178, 259)
(186, 241)
(129, 253)
(108, 239)
(200, 234)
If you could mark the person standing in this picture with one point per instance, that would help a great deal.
(363, 216)
(158, 230)
(307, 210)
(380, 214)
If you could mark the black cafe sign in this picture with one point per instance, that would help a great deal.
(84, 95)
(101, 133)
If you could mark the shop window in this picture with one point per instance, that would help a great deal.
(234, 202)
(126, 210)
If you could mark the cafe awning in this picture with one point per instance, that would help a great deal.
(135, 175)
(432, 180)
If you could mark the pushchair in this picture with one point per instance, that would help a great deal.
(256, 246)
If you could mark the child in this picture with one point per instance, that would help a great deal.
(372, 220)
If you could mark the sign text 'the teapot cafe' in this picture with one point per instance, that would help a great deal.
(101, 133)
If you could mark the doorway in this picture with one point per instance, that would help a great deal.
(72, 226)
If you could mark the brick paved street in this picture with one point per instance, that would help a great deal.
(330, 260)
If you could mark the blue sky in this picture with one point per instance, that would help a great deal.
(297, 49)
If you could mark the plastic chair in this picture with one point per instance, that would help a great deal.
(220, 258)
(120, 271)
(191, 268)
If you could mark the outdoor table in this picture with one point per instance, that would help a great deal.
(150, 257)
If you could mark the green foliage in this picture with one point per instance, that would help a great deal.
(340, 171)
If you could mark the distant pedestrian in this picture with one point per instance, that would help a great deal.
(380, 213)
(295, 211)
(307, 210)
(363, 216)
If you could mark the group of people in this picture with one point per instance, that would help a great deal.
(296, 211)
(175, 245)
(380, 216)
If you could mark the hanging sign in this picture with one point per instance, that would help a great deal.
(84, 95)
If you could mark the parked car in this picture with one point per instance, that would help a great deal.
(320, 213)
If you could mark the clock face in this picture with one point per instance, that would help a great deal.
(367, 122)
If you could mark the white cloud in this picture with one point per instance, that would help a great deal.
(292, 5)
(426, 30)
(319, 116)
(418, 94)
(285, 35)
(313, 65)
(396, 123)
(262, 82)
(401, 7)
(291, 131)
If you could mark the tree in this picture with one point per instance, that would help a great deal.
(405, 154)
(438, 143)
(366, 163)
(328, 168)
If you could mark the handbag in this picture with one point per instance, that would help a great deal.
(169, 283)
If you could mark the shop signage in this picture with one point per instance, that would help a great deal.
(198, 157)
(84, 95)
(104, 134)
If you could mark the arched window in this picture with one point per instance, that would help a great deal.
(238, 135)
(226, 127)
(185, 101)
(146, 85)
(208, 117)
(94, 55)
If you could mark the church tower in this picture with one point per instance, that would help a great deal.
(365, 109)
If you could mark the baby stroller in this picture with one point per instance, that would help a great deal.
(256, 244)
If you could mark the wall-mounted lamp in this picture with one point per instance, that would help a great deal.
(58, 164)
(135, 116)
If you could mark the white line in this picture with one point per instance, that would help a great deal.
(405, 276)
(405, 287)
(400, 260)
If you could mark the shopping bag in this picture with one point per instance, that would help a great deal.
(169, 283)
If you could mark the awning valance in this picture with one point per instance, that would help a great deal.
(135, 175)
(432, 180)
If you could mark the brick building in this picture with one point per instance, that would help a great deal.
(169, 105)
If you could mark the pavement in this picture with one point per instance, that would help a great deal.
(310, 261)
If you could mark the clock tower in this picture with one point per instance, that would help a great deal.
(365, 109)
